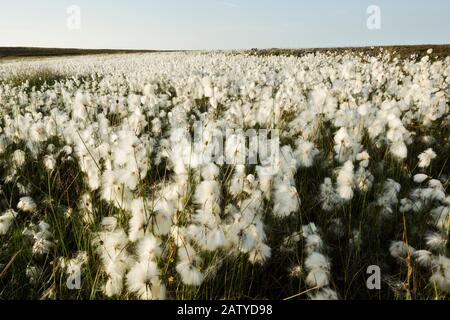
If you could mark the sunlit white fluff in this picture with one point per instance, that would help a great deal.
(399, 249)
(237, 181)
(18, 158)
(286, 200)
(420, 178)
(306, 152)
(363, 180)
(389, 197)
(363, 158)
(441, 273)
(260, 254)
(317, 278)
(190, 275)
(426, 157)
(314, 243)
(324, 294)
(149, 248)
(423, 258)
(143, 280)
(27, 204)
(207, 195)
(6, 220)
(49, 162)
(399, 150)
(317, 261)
(42, 238)
(345, 181)
(436, 241)
(328, 195)
(441, 217)
(345, 148)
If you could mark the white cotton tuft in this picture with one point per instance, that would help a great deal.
(286, 200)
(189, 274)
(420, 178)
(426, 157)
(399, 150)
(49, 162)
(143, 280)
(441, 273)
(424, 258)
(6, 220)
(27, 204)
(305, 153)
(324, 294)
(345, 181)
(399, 249)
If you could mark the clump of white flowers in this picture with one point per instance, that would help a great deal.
(143, 279)
(440, 267)
(426, 157)
(420, 178)
(41, 236)
(18, 158)
(389, 197)
(345, 181)
(27, 204)
(161, 165)
(111, 245)
(329, 197)
(317, 265)
(6, 220)
(49, 162)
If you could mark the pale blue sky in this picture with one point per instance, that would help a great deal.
(228, 24)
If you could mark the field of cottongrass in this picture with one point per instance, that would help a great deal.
(105, 181)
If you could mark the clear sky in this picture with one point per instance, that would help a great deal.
(217, 24)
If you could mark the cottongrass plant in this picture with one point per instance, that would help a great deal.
(101, 176)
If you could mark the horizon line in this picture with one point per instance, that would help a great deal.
(234, 49)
